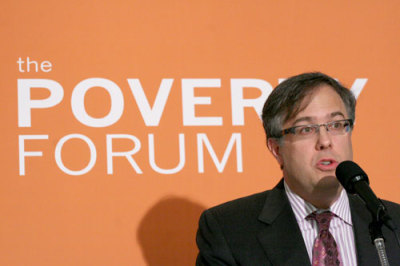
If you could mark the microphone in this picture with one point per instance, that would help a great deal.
(355, 181)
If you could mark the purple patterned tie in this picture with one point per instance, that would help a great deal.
(325, 252)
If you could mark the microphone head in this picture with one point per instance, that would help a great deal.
(348, 173)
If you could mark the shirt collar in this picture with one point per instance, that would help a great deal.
(302, 208)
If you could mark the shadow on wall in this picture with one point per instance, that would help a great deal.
(167, 232)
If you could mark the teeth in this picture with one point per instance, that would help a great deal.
(326, 162)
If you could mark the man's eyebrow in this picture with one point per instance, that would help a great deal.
(337, 113)
(301, 119)
(310, 119)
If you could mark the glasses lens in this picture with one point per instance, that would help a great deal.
(305, 130)
(339, 127)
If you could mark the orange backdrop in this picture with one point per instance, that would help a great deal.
(117, 121)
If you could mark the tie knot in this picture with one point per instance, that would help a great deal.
(323, 219)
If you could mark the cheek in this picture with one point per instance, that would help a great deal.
(295, 155)
(350, 151)
(347, 148)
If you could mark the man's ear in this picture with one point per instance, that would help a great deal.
(274, 148)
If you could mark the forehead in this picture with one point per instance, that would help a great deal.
(323, 103)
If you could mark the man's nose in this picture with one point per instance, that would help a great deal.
(324, 140)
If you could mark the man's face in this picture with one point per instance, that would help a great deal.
(309, 163)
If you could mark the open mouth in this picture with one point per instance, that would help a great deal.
(327, 164)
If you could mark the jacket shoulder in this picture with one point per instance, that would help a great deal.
(227, 233)
(245, 206)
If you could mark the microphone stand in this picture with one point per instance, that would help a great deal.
(375, 230)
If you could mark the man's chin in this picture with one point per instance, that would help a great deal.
(329, 182)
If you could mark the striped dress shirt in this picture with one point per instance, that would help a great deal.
(341, 226)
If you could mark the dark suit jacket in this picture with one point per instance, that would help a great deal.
(261, 229)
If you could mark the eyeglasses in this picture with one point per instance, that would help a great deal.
(338, 127)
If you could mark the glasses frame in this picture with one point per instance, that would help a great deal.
(291, 130)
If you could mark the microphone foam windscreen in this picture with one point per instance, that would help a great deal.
(346, 171)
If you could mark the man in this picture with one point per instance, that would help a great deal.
(307, 218)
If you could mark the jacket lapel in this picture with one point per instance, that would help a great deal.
(361, 218)
(281, 238)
